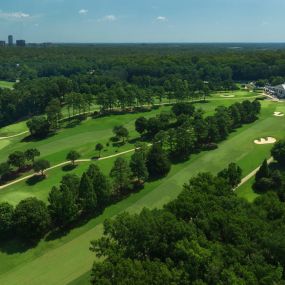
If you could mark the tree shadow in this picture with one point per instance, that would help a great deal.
(31, 138)
(14, 246)
(69, 167)
(118, 144)
(134, 140)
(35, 179)
(9, 177)
(72, 124)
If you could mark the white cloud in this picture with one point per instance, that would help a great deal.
(108, 18)
(161, 19)
(16, 16)
(83, 12)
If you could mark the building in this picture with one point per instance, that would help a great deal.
(277, 91)
(20, 43)
(2, 43)
(10, 40)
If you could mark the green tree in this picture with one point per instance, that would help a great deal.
(138, 166)
(263, 171)
(72, 182)
(101, 185)
(185, 140)
(232, 174)
(183, 109)
(41, 166)
(278, 152)
(31, 219)
(53, 111)
(31, 153)
(157, 162)
(6, 219)
(121, 132)
(17, 159)
(73, 156)
(39, 127)
(99, 147)
(121, 174)
(87, 195)
(62, 206)
(141, 125)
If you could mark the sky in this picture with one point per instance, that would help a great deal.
(133, 21)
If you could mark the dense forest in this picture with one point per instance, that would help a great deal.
(126, 75)
(206, 236)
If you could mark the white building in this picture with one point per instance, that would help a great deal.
(277, 91)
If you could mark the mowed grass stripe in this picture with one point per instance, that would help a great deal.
(69, 257)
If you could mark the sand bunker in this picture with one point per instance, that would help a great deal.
(269, 140)
(278, 114)
(228, 96)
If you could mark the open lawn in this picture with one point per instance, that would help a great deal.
(67, 259)
(6, 84)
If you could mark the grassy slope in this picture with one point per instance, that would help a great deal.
(62, 260)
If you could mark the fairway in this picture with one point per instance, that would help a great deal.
(63, 260)
(6, 84)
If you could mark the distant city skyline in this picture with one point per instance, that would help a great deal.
(119, 21)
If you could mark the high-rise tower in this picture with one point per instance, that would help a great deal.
(10, 40)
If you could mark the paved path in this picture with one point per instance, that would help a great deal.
(13, 136)
(250, 175)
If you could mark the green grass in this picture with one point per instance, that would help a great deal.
(66, 259)
(13, 129)
(6, 84)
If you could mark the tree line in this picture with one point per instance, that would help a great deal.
(126, 76)
(185, 130)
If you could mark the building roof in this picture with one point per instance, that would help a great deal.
(281, 86)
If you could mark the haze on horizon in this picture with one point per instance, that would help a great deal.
(112, 21)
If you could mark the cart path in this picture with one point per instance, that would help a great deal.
(65, 163)
(251, 174)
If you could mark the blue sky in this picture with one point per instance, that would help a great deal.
(143, 20)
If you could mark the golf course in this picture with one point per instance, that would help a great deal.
(66, 259)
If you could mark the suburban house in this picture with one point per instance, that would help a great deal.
(277, 91)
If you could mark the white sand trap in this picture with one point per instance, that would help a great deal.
(228, 96)
(278, 114)
(269, 140)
